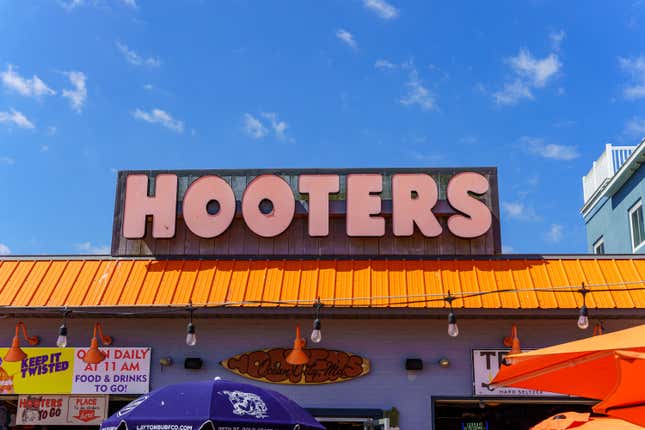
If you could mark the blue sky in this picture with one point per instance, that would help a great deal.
(89, 87)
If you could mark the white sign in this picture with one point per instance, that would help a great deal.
(124, 371)
(486, 364)
(61, 410)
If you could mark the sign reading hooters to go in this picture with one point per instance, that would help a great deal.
(268, 203)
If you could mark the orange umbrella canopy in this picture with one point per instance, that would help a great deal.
(562, 421)
(569, 420)
(595, 367)
(627, 399)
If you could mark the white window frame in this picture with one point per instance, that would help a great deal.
(597, 243)
(633, 209)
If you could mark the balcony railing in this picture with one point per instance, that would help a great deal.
(604, 168)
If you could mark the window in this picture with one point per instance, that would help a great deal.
(636, 224)
(599, 246)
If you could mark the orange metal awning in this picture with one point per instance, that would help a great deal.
(90, 282)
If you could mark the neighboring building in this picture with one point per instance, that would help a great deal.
(613, 201)
(389, 254)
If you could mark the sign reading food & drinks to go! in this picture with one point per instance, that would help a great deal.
(325, 366)
(63, 371)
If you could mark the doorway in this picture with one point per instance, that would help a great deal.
(351, 419)
(331, 423)
(495, 414)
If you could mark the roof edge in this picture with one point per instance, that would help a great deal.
(92, 257)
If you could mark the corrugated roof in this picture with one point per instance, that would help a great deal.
(88, 282)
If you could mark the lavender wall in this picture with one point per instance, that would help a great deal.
(385, 342)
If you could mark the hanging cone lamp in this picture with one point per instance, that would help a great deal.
(514, 342)
(297, 355)
(94, 355)
(16, 353)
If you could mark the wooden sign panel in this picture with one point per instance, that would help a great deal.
(325, 366)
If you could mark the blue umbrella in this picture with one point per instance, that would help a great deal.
(212, 405)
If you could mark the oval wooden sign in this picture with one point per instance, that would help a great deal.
(325, 366)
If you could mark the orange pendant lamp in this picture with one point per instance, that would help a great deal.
(514, 342)
(16, 353)
(297, 356)
(94, 355)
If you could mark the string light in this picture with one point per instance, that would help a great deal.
(453, 329)
(191, 336)
(61, 340)
(316, 334)
(583, 318)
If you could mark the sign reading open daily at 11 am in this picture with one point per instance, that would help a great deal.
(63, 371)
(61, 410)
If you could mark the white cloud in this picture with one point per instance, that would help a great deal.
(44, 148)
(279, 127)
(512, 93)
(553, 151)
(556, 39)
(536, 71)
(256, 128)
(417, 93)
(33, 87)
(78, 95)
(130, 3)
(382, 8)
(51, 130)
(555, 233)
(89, 248)
(133, 58)
(16, 118)
(253, 127)
(513, 209)
(507, 249)
(9, 161)
(635, 66)
(4, 249)
(158, 116)
(72, 4)
(384, 65)
(347, 38)
(518, 210)
(635, 127)
(529, 73)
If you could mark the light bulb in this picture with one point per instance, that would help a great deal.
(453, 330)
(583, 319)
(61, 340)
(191, 336)
(316, 334)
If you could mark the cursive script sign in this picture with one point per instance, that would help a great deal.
(325, 366)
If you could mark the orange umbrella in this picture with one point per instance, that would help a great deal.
(600, 367)
(562, 421)
(627, 399)
(569, 420)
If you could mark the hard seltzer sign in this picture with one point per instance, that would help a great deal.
(486, 364)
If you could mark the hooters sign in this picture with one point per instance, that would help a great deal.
(325, 366)
(268, 202)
